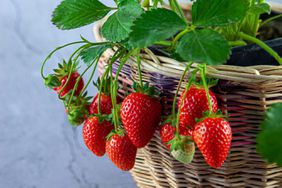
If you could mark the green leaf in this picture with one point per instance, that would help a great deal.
(71, 14)
(91, 54)
(259, 9)
(269, 143)
(203, 46)
(117, 27)
(155, 25)
(218, 12)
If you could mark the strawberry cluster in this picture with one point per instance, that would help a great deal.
(139, 115)
(119, 127)
(211, 132)
(132, 27)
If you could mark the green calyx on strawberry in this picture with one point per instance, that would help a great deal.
(182, 148)
(140, 114)
(52, 81)
(213, 136)
(194, 105)
(68, 82)
(77, 109)
(64, 69)
(146, 89)
(168, 129)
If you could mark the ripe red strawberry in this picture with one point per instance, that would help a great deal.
(95, 133)
(121, 152)
(105, 104)
(70, 85)
(62, 74)
(195, 104)
(213, 137)
(167, 133)
(140, 115)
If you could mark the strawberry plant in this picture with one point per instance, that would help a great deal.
(131, 27)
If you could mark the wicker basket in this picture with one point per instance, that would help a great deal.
(244, 92)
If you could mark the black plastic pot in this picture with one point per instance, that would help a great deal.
(251, 55)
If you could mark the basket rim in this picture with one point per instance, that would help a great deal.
(173, 68)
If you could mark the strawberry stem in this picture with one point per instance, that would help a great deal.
(77, 51)
(270, 19)
(177, 9)
(91, 76)
(139, 68)
(178, 88)
(78, 79)
(116, 56)
(52, 53)
(188, 85)
(61, 47)
(146, 4)
(264, 46)
(203, 68)
(115, 87)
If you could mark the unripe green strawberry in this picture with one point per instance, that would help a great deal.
(184, 154)
(213, 137)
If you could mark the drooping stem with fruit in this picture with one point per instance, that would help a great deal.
(188, 85)
(91, 77)
(139, 67)
(95, 62)
(53, 52)
(105, 75)
(203, 68)
(177, 91)
(77, 52)
(114, 87)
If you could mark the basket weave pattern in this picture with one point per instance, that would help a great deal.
(244, 93)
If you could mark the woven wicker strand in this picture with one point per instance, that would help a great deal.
(243, 92)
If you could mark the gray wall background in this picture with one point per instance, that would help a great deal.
(38, 149)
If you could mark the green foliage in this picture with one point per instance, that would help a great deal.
(260, 8)
(269, 143)
(218, 12)
(71, 14)
(203, 46)
(117, 27)
(155, 25)
(91, 54)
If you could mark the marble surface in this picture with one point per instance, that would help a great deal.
(38, 149)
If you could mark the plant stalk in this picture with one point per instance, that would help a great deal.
(178, 88)
(270, 19)
(203, 76)
(262, 45)
(139, 68)
(184, 96)
(52, 53)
